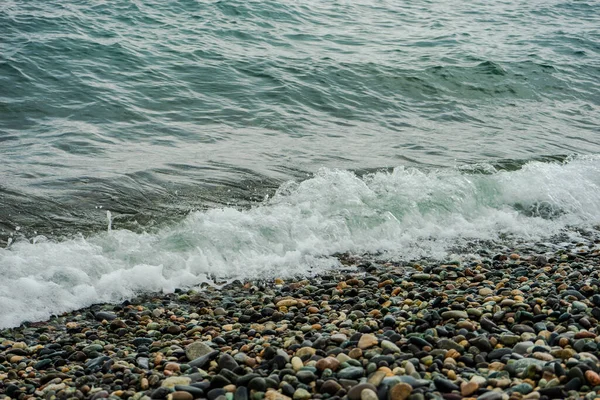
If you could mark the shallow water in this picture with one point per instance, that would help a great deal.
(246, 138)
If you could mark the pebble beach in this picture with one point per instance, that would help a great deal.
(512, 324)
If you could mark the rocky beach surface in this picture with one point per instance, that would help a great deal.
(520, 323)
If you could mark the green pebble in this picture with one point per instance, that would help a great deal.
(301, 394)
(371, 367)
(427, 360)
(523, 388)
(258, 395)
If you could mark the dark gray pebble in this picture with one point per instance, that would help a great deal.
(556, 392)
(201, 361)
(573, 384)
(497, 354)
(194, 391)
(287, 389)
(444, 385)
(213, 394)
(351, 373)
(259, 384)
(104, 315)
(226, 361)
(241, 393)
(330, 387)
(491, 395)
(218, 381)
(160, 393)
(354, 392)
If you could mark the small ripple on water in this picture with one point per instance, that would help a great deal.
(224, 91)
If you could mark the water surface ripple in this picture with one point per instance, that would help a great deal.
(154, 108)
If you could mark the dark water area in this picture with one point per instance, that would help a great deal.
(200, 136)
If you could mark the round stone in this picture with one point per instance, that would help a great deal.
(401, 391)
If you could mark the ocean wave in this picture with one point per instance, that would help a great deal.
(403, 214)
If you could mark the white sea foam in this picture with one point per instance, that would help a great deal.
(406, 213)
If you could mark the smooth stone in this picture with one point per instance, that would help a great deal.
(43, 364)
(482, 343)
(328, 362)
(367, 340)
(592, 377)
(420, 277)
(92, 348)
(279, 361)
(103, 394)
(258, 384)
(509, 340)
(468, 388)
(244, 380)
(523, 388)
(297, 363)
(521, 348)
(180, 395)
(287, 303)
(226, 361)
(525, 363)
(104, 315)
(419, 341)
(489, 325)
(579, 306)
(519, 329)
(390, 321)
(305, 352)
(368, 394)
(498, 353)
(556, 392)
(454, 314)
(573, 384)
(491, 395)
(201, 361)
(376, 378)
(338, 338)
(448, 344)
(355, 392)
(143, 363)
(241, 393)
(444, 385)
(305, 376)
(219, 381)
(142, 341)
(413, 382)
(274, 395)
(400, 391)
(351, 373)
(302, 394)
(330, 386)
(173, 381)
(194, 391)
(287, 389)
(387, 345)
(197, 349)
(215, 393)
(160, 393)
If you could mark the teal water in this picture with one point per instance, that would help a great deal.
(248, 138)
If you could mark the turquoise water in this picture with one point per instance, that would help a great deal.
(253, 138)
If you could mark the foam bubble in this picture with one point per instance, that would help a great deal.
(407, 213)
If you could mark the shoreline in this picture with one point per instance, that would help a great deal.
(516, 325)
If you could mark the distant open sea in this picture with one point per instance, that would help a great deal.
(150, 145)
